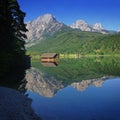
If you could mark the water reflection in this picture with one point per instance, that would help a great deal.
(49, 64)
(56, 95)
(48, 86)
(42, 83)
(84, 84)
(50, 59)
(75, 70)
(80, 74)
(69, 104)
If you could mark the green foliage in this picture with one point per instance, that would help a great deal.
(71, 70)
(75, 41)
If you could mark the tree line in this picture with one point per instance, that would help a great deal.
(76, 41)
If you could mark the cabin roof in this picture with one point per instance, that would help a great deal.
(48, 55)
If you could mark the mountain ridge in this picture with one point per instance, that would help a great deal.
(84, 26)
(46, 26)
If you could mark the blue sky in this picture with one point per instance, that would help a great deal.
(106, 12)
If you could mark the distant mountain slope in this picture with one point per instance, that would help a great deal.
(42, 28)
(74, 41)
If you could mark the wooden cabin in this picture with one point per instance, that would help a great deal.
(50, 58)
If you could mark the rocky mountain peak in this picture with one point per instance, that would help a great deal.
(46, 18)
(41, 28)
(97, 26)
(81, 24)
(84, 26)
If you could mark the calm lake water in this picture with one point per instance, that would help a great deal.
(77, 89)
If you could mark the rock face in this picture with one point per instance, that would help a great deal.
(41, 83)
(42, 27)
(84, 26)
(97, 26)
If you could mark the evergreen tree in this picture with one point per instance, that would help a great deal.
(12, 34)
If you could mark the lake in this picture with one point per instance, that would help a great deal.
(76, 89)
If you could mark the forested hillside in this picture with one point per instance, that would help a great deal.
(75, 41)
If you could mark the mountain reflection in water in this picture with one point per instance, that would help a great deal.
(39, 82)
(80, 74)
(48, 86)
(84, 84)
(77, 89)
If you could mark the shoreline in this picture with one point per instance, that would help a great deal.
(15, 105)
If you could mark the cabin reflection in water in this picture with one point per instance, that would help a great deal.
(50, 59)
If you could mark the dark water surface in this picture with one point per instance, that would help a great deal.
(77, 89)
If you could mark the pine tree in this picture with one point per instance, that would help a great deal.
(12, 35)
